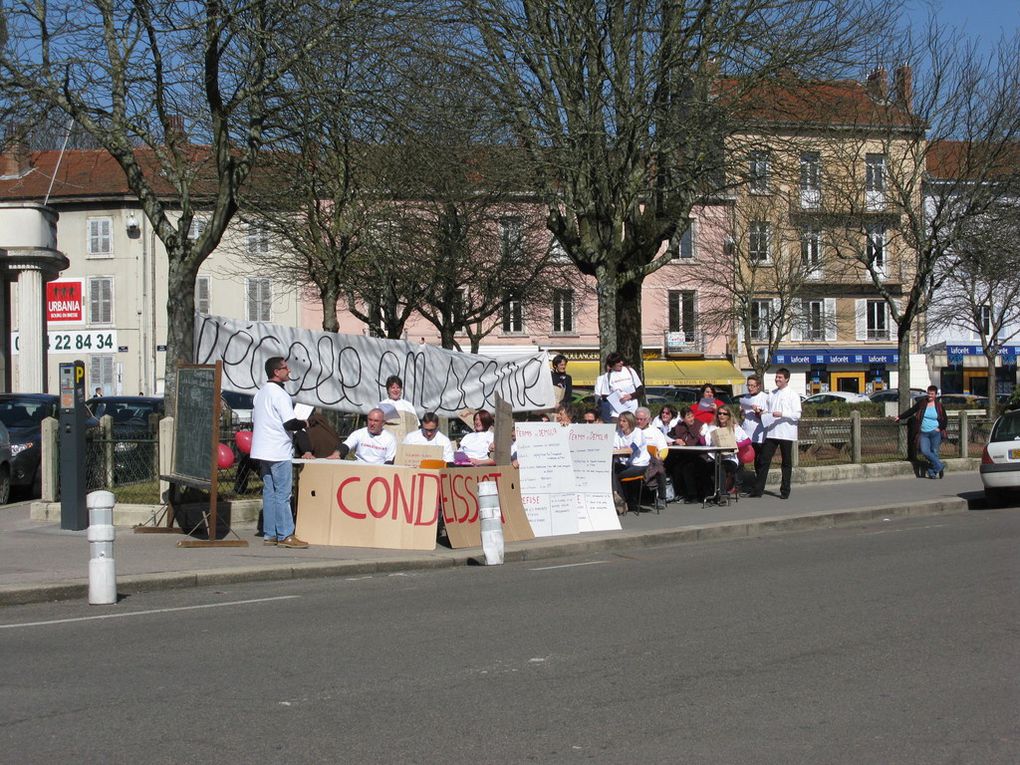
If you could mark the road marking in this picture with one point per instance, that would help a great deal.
(569, 565)
(901, 531)
(144, 613)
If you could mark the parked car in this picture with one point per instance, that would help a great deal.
(134, 447)
(892, 395)
(5, 466)
(1000, 459)
(240, 406)
(963, 401)
(836, 397)
(22, 415)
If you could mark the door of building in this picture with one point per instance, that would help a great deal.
(849, 382)
(975, 381)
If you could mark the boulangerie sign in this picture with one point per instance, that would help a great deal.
(348, 372)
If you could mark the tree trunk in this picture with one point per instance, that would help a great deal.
(329, 297)
(628, 324)
(606, 290)
(993, 404)
(180, 331)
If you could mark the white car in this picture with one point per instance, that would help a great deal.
(1000, 460)
(836, 396)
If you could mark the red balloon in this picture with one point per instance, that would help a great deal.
(243, 440)
(225, 457)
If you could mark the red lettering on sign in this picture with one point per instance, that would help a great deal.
(422, 478)
(340, 498)
(378, 481)
(402, 501)
(446, 499)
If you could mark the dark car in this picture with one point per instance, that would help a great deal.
(240, 406)
(134, 447)
(5, 466)
(22, 414)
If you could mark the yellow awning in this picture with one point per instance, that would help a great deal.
(692, 372)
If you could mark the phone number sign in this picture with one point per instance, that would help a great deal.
(78, 342)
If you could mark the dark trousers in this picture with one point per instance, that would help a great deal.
(631, 497)
(692, 476)
(768, 450)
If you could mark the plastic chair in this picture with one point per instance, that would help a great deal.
(653, 451)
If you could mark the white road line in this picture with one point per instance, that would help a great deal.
(569, 565)
(144, 613)
(902, 531)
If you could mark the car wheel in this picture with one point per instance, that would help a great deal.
(5, 484)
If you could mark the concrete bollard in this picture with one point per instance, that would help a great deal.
(102, 570)
(491, 522)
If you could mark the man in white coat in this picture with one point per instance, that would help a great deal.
(781, 420)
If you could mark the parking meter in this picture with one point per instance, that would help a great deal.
(73, 511)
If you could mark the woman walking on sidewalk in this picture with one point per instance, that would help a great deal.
(930, 422)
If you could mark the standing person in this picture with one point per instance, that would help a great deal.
(752, 405)
(372, 444)
(619, 387)
(272, 445)
(395, 396)
(429, 434)
(781, 433)
(561, 379)
(930, 422)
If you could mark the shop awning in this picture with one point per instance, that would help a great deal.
(661, 372)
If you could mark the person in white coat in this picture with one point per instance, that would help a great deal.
(781, 420)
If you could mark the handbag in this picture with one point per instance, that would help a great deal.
(745, 451)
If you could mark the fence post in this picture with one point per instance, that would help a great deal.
(154, 433)
(855, 437)
(165, 450)
(964, 433)
(106, 429)
(796, 454)
(48, 462)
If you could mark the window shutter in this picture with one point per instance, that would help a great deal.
(202, 294)
(776, 321)
(796, 322)
(861, 319)
(830, 319)
(101, 300)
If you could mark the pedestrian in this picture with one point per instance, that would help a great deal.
(561, 379)
(781, 420)
(930, 421)
(272, 445)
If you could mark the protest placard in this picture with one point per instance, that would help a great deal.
(547, 478)
(591, 455)
(459, 493)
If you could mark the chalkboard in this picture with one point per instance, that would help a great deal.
(195, 422)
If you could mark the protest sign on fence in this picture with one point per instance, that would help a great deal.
(459, 492)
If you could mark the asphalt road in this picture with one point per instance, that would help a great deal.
(894, 642)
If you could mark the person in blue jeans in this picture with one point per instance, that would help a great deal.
(929, 421)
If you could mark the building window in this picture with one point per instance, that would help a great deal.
(511, 236)
(513, 315)
(985, 320)
(876, 247)
(810, 180)
(202, 294)
(685, 247)
(101, 374)
(758, 241)
(259, 299)
(100, 237)
(563, 311)
(197, 227)
(758, 172)
(874, 181)
(681, 313)
(878, 320)
(101, 300)
(761, 314)
(258, 241)
(814, 319)
(811, 249)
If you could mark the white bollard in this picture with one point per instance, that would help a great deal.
(491, 522)
(102, 571)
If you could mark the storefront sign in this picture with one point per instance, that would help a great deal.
(64, 301)
(836, 356)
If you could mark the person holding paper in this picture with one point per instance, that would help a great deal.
(394, 397)
(726, 432)
(372, 444)
(753, 404)
(708, 404)
(272, 444)
(781, 433)
(619, 388)
(428, 435)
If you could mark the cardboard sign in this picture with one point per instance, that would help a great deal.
(591, 450)
(459, 491)
(547, 478)
(411, 455)
(351, 504)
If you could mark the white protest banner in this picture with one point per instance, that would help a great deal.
(348, 372)
(591, 455)
(547, 478)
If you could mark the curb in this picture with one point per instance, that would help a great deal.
(535, 550)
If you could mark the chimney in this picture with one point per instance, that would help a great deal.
(16, 159)
(903, 83)
(175, 129)
(878, 84)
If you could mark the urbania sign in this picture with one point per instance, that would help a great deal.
(348, 372)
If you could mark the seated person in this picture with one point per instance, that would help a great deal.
(371, 444)
(629, 437)
(428, 434)
(591, 417)
(726, 432)
(318, 439)
(691, 474)
(394, 397)
(478, 446)
(565, 415)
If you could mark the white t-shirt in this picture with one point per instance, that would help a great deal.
(655, 437)
(269, 441)
(624, 381)
(417, 438)
(635, 439)
(476, 445)
(399, 404)
(372, 450)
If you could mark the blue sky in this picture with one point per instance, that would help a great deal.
(986, 19)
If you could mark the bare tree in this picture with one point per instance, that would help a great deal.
(900, 227)
(184, 96)
(619, 107)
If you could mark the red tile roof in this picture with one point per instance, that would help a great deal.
(964, 160)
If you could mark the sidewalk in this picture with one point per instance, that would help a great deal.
(41, 562)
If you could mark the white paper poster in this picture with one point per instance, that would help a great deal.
(591, 454)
